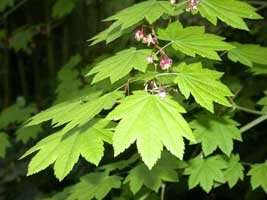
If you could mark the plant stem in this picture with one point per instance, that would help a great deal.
(14, 8)
(163, 187)
(248, 110)
(166, 74)
(144, 196)
(160, 49)
(253, 123)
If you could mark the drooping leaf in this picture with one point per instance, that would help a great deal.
(94, 186)
(150, 10)
(203, 84)
(4, 144)
(153, 122)
(65, 149)
(193, 40)
(164, 170)
(248, 54)
(79, 111)
(62, 8)
(232, 12)
(205, 172)
(5, 3)
(118, 66)
(215, 132)
(234, 170)
(24, 134)
(258, 173)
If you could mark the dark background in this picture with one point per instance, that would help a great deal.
(29, 66)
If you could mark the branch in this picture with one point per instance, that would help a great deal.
(163, 187)
(14, 8)
(253, 123)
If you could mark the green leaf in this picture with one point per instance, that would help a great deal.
(258, 173)
(4, 144)
(62, 8)
(68, 80)
(212, 132)
(24, 134)
(164, 170)
(120, 65)
(232, 12)
(21, 38)
(259, 69)
(65, 149)
(77, 112)
(5, 3)
(203, 84)
(153, 122)
(248, 54)
(119, 165)
(205, 172)
(150, 10)
(263, 102)
(234, 170)
(193, 40)
(16, 114)
(94, 186)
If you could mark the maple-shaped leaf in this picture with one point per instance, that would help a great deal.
(64, 149)
(62, 8)
(150, 10)
(248, 54)
(5, 3)
(4, 144)
(16, 113)
(153, 122)
(118, 66)
(232, 12)
(212, 132)
(78, 111)
(193, 40)
(258, 173)
(263, 102)
(24, 134)
(234, 170)
(164, 170)
(94, 186)
(203, 84)
(22, 37)
(205, 172)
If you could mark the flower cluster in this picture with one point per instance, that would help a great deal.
(165, 62)
(192, 5)
(148, 39)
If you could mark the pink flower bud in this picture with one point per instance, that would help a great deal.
(192, 5)
(150, 59)
(165, 63)
(162, 94)
(145, 39)
(139, 35)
